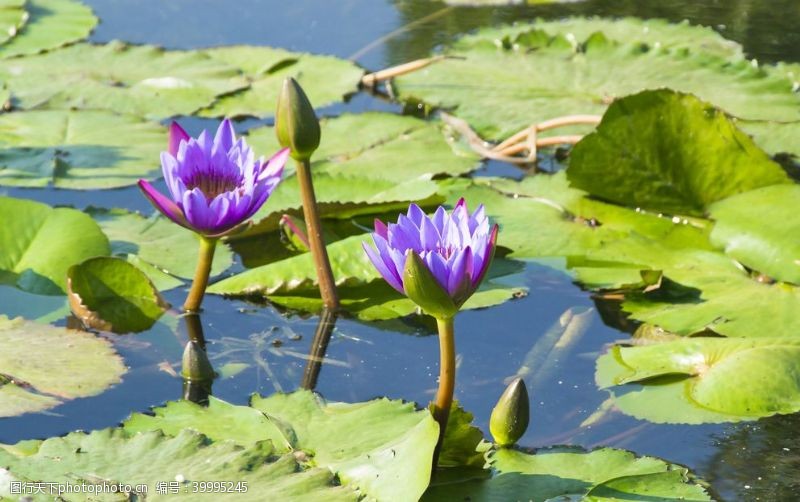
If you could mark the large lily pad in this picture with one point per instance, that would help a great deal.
(325, 79)
(669, 152)
(574, 474)
(141, 80)
(112, 456)
(759, 229)
(700, 380)
(38, 244)
(381, 448)
(79, 150)
(43, 366)
(168, 249)
(52, 24)
(387, 165)
(111, 294)
(547, 72)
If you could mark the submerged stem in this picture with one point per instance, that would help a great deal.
(201, 274)
(327, 286)
(447, 380)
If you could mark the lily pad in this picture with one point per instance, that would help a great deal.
(701, 380)
(112, 457)
(43, 366)
(571, 473)
(138, 79)
(110, 294)
(757, 228)
(12, 17)
(38, 244)
(51, 24)
(546, 72)
(669, 152)
(381, 448)
(167, 248)
(387, 165)
(325, 79)
(77, 149)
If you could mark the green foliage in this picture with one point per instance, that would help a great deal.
(111, 294)
(38, 244)
(679, 155)
(77, 149)
(43, 366)
(51, 24)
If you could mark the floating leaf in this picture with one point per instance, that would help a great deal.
(138, 79)
(110, 294)
(12, 17)
(52, 24)
(44, 366)
(572, 473)
(325, 79)
(382, 448)
(669, 152)
(79, 150)
(38, 244)
(111, 457)
(158, 242)
(760, 228)
(700, 380)
(544, 72)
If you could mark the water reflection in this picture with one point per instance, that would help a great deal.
(319, 347)
(196, 370)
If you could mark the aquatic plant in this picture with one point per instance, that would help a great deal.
(215, 186)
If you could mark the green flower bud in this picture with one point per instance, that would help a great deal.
(296, 124)
(511, 414)
(423, 289)
(196, 365)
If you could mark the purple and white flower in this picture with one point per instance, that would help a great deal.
(214, 185)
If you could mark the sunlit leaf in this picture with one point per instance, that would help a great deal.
(52, 24)
(38, 244)
(44, 366)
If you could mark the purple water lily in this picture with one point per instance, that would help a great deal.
(215, 185)
(456, 248)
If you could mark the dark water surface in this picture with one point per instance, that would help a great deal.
(753, 461)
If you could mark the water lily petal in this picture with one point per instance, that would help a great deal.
(390, 275)
(225, 137)
(176, 136)
(167, 207)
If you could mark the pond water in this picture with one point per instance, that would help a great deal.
(399, 359)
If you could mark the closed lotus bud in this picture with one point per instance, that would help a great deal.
(296, 124)
(196, 365)
(422, 288)
(511, 414)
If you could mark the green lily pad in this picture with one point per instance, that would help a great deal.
(12, 17)
(144, 460)
(166, 249)
(43, 366)
(52, 24)
(571, 473)
(758, 228)
(111, 294)
(38, 244)
(669, 152)
(325, 79)
(388, 165)
(381, 448)
(141, 80)
(545, 72)
(776, 138)
(700, 380)
(77, 149)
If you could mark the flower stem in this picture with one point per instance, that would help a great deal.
(447, 380)
(327, 286)
(203, 270)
